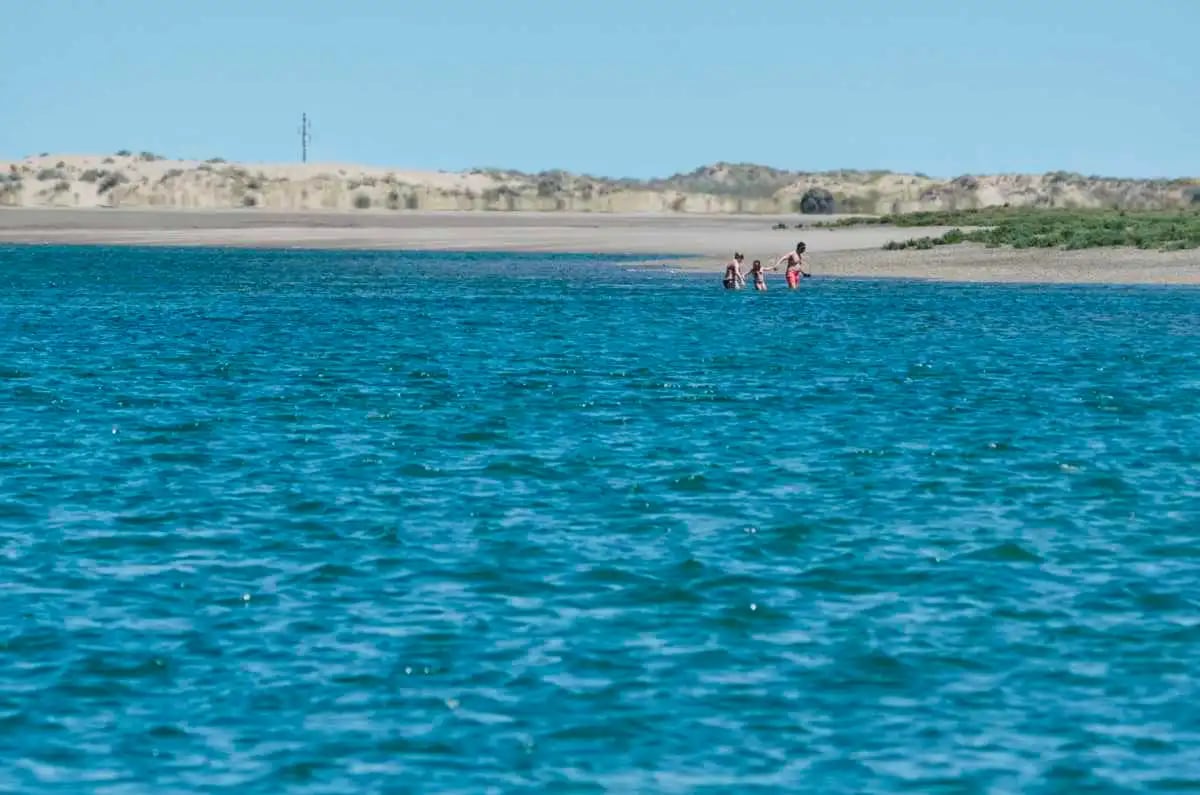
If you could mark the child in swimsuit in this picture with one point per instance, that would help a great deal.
(760, 279)
(794, 260)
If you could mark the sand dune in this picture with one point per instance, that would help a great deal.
(131, 181)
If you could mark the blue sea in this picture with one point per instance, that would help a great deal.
(345, 522)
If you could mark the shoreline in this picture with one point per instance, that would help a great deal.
(692, 241)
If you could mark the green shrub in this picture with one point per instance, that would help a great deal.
(920, 243)
(91, 175)
(124, 153)
(817, 201)
(149, 157)
(62, 186)
(1056, 228)
(362, 202)
(47, 174)
(110, 181)
(249, 201)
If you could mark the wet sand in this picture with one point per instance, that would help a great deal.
(706, 240)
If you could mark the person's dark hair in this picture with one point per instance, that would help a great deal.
(738, 255)
(800, 247)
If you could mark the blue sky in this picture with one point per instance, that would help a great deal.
(614, 87)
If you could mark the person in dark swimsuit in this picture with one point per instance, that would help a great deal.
(733, 274)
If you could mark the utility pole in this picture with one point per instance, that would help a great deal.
(305, 137)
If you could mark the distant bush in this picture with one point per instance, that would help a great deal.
(216, 160)
(110, 181)
(61, 164)
(393, 200)
(254, 184)
(780, 226)
(91, 175)
(362, 202)
(1048, 228)
(817, 201)
(411, 202)
(62, 186)
(108, 160)
(10, 186)
(47, 174)
(249, 201)
(171, 173)
(924, 243)
(149, 157)
(124, 153)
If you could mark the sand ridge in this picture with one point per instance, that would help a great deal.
(146, 180)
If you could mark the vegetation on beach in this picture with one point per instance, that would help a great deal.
(10, 188)
(110, 180)
(815, 201)
(1045, 228)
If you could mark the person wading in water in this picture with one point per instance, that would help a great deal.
(795, 261)
(760, 278)
(734, 280)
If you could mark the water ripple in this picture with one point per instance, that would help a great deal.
(325, 522)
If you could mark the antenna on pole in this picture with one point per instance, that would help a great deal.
(305, 137)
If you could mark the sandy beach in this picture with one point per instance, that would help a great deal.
(705, 240)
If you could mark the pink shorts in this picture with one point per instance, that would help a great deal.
(793, 278)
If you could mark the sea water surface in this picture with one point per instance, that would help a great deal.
(386, 522)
